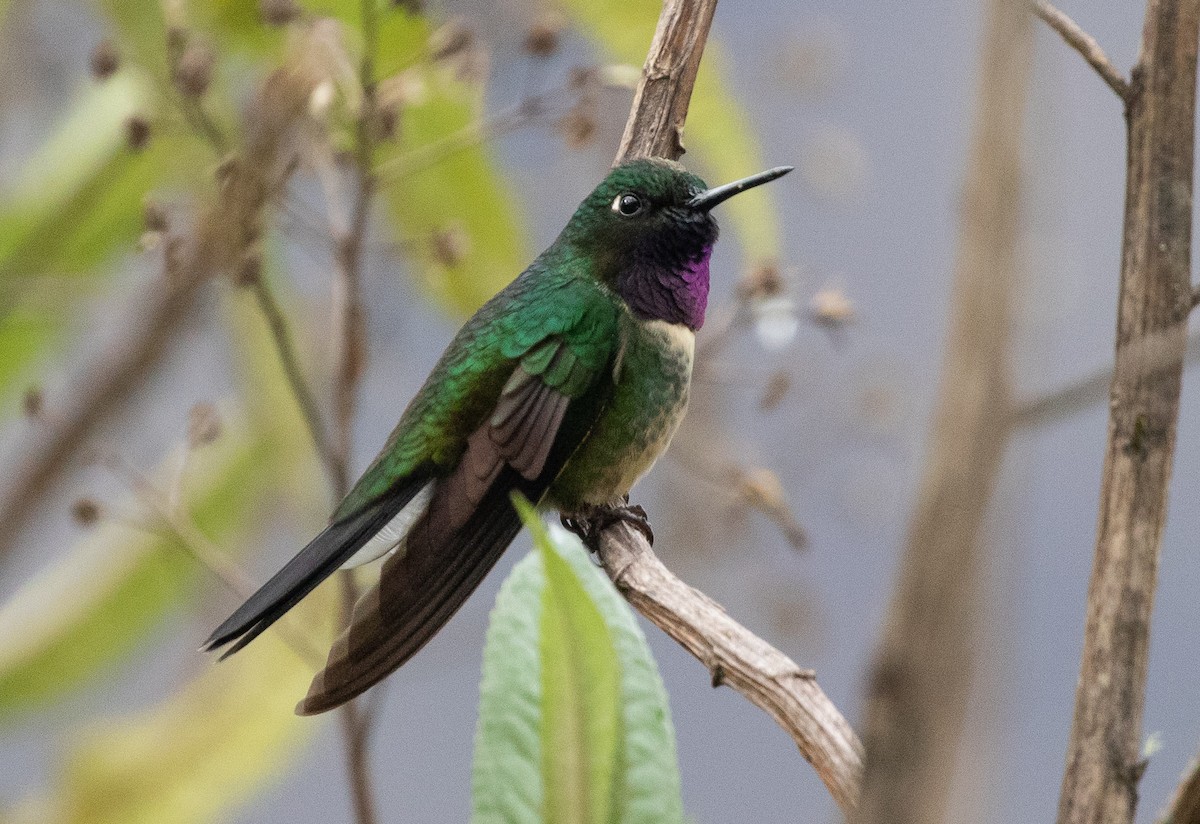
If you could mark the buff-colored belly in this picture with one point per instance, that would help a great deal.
(647, 406)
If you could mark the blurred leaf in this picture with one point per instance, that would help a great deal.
(91, 609)
(79, 197)
(198, 753)
(717, 124)
(547, 609)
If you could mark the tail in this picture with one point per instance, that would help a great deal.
(419, 591)
(312, 565)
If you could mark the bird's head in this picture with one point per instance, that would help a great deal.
(649, 231)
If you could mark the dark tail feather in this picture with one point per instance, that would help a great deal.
(417, 594)
(312, 565)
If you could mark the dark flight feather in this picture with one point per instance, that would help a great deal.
(312, 565)
(470, 522)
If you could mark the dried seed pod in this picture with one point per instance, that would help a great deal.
(85, 512)
(831, 307)
(278, 12)
(763, 280)
(451, 245)
(577, 126)
(104, 60)
(451, 39)
(542, 38)
(154, 215)
(203, 425)
(33, 402)
(194, 70)
(137, 132)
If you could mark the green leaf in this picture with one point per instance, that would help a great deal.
(580, 694)
(88, 611)
(716, 126)
(621, 770)
(197, 754)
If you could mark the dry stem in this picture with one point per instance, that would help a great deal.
(738, 658)
(1083, 43)
(1104, 751)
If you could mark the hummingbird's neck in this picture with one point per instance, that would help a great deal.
(675, 293)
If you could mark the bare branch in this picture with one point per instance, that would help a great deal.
(660, 104)
(1184, 806)
(1083, 43)
(738, 658)
(922, 673)
(1104, 760)
(351, 336)
(282, 338)
(1083, 393)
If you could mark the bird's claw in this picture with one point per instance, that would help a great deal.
(589, 524)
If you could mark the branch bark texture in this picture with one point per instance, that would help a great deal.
(660, 104)
(738, 658)
(922, 674)
(1103, 753)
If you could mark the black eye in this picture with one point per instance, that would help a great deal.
(627, 204)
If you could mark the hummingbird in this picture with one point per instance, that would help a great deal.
(565, 387)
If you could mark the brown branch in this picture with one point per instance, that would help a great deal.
(922, 673)
(734, 655)
(660, 104)
(281, 336)
(1083, 43)
(1104, 760)
(738, 658)
(1184, 806)
(220, 235)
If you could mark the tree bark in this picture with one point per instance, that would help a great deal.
(1103, 762)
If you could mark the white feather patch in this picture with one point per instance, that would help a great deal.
(394, 531)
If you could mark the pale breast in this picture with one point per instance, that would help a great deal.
(652, 377)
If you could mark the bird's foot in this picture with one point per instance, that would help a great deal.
(589, 523)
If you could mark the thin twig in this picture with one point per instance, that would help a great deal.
(1083, 393)
(184, 532)
(285, 348)
(737, 658)
(921, 676)
(1083, 43)
(351, 321)
(1104, 751)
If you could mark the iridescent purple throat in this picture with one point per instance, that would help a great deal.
(677, 294)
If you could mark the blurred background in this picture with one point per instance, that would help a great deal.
(785, 497)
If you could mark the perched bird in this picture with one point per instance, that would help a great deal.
(565, 387)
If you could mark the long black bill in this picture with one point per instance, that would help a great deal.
(711, 197)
